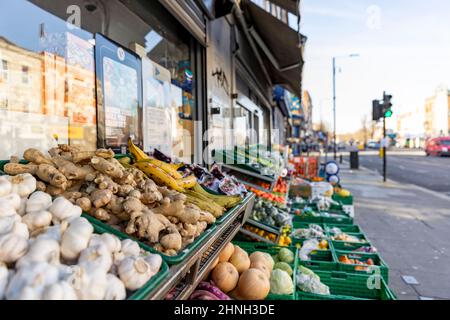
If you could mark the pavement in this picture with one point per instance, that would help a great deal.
(414, 168)
(409, 225)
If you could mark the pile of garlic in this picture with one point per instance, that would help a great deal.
(49, 252)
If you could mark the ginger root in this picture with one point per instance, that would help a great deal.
(14, 169)
(84, 203)
(105, 153)
(70, 170)
(50, 174)
(37, 157)
(107, 167)
(101, 198)
(172, 240)
(100, 214)
(179, 210)
(41, 186)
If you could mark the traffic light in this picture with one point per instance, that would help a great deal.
(387, 106)
(376, 110)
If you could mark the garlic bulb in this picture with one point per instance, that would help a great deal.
(22, 184)
(115, 289)
(89, 284)
(66, 271)
(21, 229)
(155, 261)
(3, 279)
(59, 291)
(23, 206)
(134, 272)
(29, 283)
(40, 250)
(12, 247)
(5, 186)
(76, 238)
(37, 220)
(111, 241)
(38, 201)
(96, 257)
(54, 232)
(13, 199)
(130, 248)
(6, 209)
(62, 209)
(7, 223)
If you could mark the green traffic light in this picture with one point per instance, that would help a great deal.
(388, 113)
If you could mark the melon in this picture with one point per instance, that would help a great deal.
(240, 260)
(252, 285)
(225, 276)
(226, 253)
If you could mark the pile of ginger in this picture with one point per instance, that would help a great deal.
(123, 197)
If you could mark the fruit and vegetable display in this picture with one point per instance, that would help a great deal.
(281, 186)
(255, 158)
(217, 181)
(244, 276)
(311, 245)
(360, 265)
(279, 201)
(161, 211)
(267, 213)
(338, 235)
(313, 231)
(309, 282)
(262, 233)
(49, 252)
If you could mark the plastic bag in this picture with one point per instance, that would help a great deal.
(308, 247)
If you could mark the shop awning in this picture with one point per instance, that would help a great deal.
(280, 45)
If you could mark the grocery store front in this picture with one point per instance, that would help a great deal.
(148, 69)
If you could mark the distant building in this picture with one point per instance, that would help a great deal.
(410, 128)
(307, 110)
(437, 113)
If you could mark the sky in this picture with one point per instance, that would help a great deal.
(404, 48)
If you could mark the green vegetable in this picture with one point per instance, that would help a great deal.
(275, 258)
(286, 255)
(281, 283)
(283, 266)
(307, 272)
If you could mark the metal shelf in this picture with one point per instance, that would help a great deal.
(263, 226)
(255, 236)
(185, 275)
(250, 173)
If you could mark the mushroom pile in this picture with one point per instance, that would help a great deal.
(117, 194)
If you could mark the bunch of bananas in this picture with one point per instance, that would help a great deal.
(216, 204)
(167, 174)
(162, 173)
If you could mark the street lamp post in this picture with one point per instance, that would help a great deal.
(334, 102)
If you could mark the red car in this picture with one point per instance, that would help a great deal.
(438, 147)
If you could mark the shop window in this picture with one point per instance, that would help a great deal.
(4, 74)
(25, 75)
(48, 94)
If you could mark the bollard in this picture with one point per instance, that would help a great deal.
(341, 159)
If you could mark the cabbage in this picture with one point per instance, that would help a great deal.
(281, 283)
(283, 266)
(286, 255)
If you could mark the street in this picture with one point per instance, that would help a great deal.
(432, 173)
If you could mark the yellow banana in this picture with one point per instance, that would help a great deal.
(158, 175)
(137, 153)
(216, 210)
(188, 182)
(164, 166)
(225, 201)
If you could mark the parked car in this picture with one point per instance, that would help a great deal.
(438, 147)
(373, 145)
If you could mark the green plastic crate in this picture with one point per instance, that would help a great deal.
(251, 247)
(341, 220)
(347, 201)
(344, 228)
(344, 286)
(348, 246)
(319, 259)
(360, 236)
(171, 260)
(144, 292)
(380, 265)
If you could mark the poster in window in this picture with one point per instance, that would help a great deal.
(158, 118)
(119, 95)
